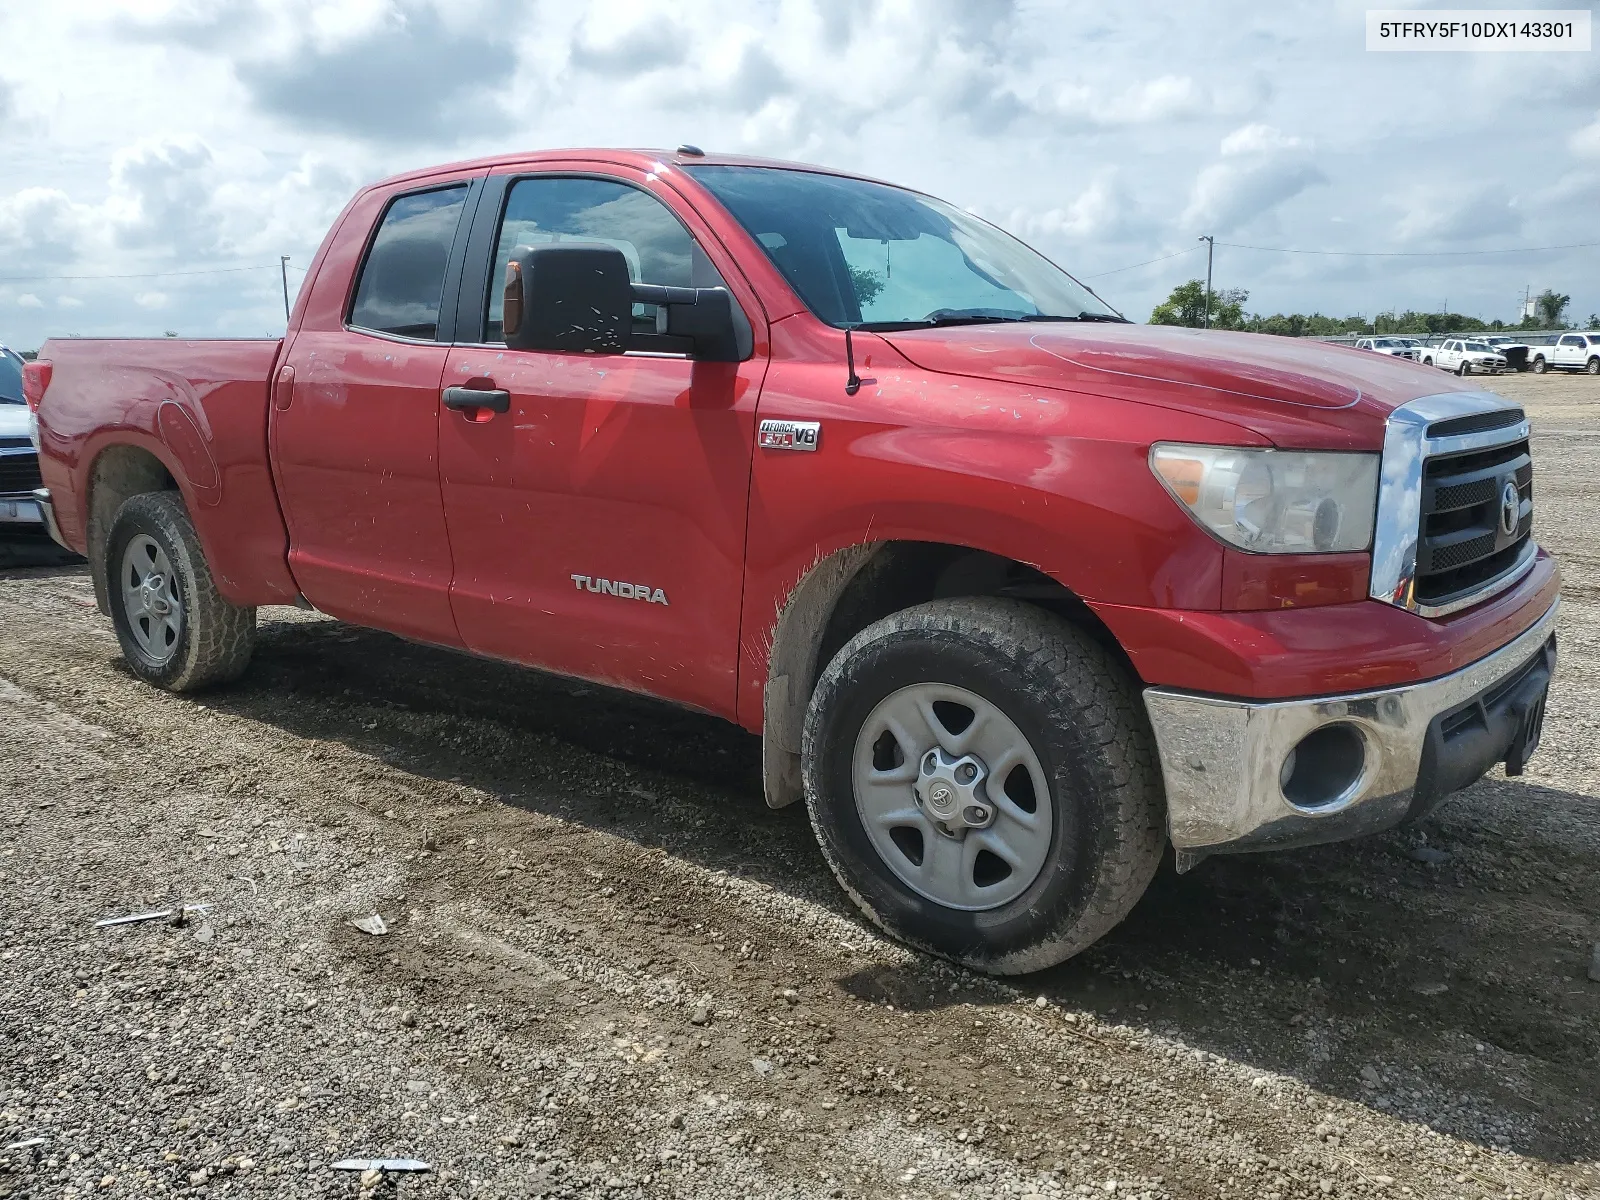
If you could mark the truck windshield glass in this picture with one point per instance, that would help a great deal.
(10, 378)
(867, 254)
(402, 280)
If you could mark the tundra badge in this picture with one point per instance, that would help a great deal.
(790, 435)
(628, 591)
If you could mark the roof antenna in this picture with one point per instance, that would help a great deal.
(852, 382)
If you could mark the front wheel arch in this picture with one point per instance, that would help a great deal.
(851, 588)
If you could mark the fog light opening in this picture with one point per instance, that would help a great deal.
(1325, 767)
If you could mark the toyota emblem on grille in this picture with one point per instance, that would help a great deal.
(1510, 507)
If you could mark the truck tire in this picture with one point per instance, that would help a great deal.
(1427, 360)
(1539, 366)
(176, 631)
(1593, 366)
(909, 727)
(1465, 368)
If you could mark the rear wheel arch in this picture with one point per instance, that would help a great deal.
(845, 592)
(119, 471)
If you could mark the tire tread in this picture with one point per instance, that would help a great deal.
(219, 636)
(1066, 670)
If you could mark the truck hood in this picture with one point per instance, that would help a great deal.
(14, 420)
(1295, 392)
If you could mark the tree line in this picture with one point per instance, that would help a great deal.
(1187, 306)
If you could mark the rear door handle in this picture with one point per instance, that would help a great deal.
(460, 398)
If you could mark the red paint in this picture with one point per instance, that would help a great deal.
(111, 392)
(1315, 651)
(466, 528)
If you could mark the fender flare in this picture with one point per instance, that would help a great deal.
(792, 667)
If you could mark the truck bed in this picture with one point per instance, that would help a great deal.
(193, 408)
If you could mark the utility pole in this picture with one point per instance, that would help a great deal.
(1211, 245)
(283, 269)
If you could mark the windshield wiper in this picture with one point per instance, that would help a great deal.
(938, 320)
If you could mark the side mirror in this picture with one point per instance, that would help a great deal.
(568, 296)
(577, 296)
(700, 320)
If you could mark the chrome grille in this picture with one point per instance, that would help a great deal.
(1448, 462)
(1462, 544)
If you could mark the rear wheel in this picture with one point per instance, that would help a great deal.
(982, 779)
(1593, 366)
(176, 631)
(1539, 365)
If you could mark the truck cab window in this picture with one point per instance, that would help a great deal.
(402, 280)
(658, 248)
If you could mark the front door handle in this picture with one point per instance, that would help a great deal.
(463, 398)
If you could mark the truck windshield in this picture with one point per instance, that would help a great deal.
(879, 257)
(10, 378)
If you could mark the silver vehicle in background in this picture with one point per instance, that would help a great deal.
(1396, 347)
(20, 516)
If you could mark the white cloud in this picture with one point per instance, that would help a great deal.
(1585, 142)
(29, 300)
(1165, 98)
(151, 300)
(1106, 210)
(1261, 168)
(68, 302)
(1433, 213)
(1259, 139)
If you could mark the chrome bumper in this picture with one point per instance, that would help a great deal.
(41, 497)
(1223, 760)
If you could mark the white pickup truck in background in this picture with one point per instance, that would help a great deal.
(1516, 351)
(1396, 347)
(1572, 352)
(1464, 357)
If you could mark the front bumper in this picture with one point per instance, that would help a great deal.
(1382, 755)
(20, 513)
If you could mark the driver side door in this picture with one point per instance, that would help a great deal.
(597, 524)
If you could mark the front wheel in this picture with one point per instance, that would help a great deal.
(1428, 361)
(1465, 368)
(982, 779)
(176, 631)
(1540, 366)
(1594, 366)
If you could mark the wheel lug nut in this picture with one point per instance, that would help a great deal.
(968, 773)
(975, 815)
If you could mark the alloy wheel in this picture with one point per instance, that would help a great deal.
(151, 598)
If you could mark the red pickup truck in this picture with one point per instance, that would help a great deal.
(1016, 592)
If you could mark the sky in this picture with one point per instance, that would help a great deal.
(142, 139)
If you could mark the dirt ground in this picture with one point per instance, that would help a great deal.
(611, 970)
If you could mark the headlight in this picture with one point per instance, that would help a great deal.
(1274, 501)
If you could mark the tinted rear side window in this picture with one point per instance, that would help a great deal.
(402, 281)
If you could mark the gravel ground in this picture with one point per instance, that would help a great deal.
(609, 970)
